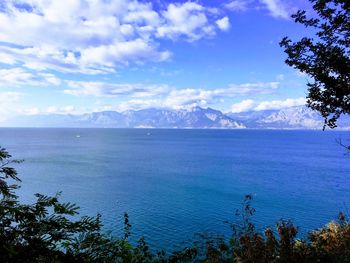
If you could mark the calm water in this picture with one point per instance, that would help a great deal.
(174, 183)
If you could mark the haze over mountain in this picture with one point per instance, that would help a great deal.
(148, 118)
(299, 117)
(290, 118)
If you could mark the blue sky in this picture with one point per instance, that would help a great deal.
(77, 56)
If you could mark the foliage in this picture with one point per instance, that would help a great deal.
(45, 232)
(325, 58)
(40, 230)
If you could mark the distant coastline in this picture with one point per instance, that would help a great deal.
(293, 118)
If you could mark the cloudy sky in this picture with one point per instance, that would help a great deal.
(75, 56)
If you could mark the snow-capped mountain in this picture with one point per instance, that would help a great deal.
(299, 117)
(148, 118)
(290, 118)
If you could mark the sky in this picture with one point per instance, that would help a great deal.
(81, 56)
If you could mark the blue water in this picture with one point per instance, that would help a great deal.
(174, 183)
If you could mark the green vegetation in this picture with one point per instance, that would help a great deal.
(325, 57)
(45, 232)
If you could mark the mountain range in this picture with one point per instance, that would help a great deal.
(290, 118)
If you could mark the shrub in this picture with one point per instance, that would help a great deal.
(45, 232)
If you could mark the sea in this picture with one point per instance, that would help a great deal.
(178, 183)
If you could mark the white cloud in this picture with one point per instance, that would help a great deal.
(7, 59)
(202, 97)
(189, 19)
(238, 5)
(100, 89)
(93, 37)
(19, 77)
(189, 98)
(164, 96)
(12, 105)
(166, 103)
(223, 23)
(69, 109)
(9, 101)
(41, 59)
(30, 111)
(279, 104)
(280, 77)
(254, 88)
(277, 8)
(10, 97)
(251, 105)
(94, 88)
(137, 104)
(242, 106)
(121, 53)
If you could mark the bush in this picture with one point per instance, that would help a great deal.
(45, 232)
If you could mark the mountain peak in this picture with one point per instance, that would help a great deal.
(196, 117)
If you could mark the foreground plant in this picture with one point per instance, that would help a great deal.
(325, 57)
(45, 232)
